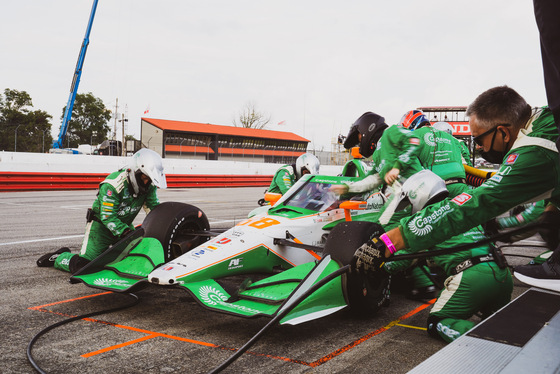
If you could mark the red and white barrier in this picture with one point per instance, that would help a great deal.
(21, 171)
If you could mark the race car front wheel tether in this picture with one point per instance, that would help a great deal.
(48, 328)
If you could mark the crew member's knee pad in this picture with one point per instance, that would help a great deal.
(76, 263)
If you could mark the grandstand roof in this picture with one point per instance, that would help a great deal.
(206, 128)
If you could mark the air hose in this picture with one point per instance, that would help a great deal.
(288, 306)
(60, 323)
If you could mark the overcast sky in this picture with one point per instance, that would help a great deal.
(317, 65)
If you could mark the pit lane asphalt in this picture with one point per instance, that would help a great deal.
(168, 332)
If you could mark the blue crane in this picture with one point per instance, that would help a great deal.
(58, 144)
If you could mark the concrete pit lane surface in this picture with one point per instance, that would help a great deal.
(167, 331)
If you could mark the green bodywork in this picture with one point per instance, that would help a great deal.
(265, 297)
(126, 266)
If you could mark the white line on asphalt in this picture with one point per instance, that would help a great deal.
(44, 240)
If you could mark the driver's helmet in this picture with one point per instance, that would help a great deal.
(414, 119)
(420, 190)
(149, 163)
(307, 162)
(443, 126)
(371, 127)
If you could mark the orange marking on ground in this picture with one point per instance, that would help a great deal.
(347, 347)
(69, 300)
(118, 346)
(152, 334)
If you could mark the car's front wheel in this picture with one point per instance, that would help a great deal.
(178, 226)
(365, 293)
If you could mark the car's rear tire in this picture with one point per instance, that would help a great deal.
(173, 223)
(365, 294)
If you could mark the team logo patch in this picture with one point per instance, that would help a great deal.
(109, 193)
(511, 159)
(462, 198)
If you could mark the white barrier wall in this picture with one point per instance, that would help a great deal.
(80, 163)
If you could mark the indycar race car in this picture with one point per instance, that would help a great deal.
(285, 246)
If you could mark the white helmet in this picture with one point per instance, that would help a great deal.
(308, 162)
(443, 126)
(422, 189)
(149, 163)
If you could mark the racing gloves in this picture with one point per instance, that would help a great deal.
(370, 256)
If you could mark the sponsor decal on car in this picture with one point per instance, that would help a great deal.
(198, 252)
(236, 263)
(211, 295)
(106, 282)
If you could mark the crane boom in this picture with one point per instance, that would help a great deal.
(57, 144)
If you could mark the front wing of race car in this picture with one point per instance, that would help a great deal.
(129, 271)
(267, 296)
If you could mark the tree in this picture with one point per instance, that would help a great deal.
(250, 117)
(89, 122)
(23, 129)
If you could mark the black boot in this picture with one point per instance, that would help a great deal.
(48, 259)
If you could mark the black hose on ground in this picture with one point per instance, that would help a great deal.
(53, 326)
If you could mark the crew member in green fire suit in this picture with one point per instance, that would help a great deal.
(403, 151)
(465, 152)
(509, 131)
(119, 199)
(475, 283)
(287, 175)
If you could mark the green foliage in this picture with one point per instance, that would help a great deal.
(89, 122)
(21, 128)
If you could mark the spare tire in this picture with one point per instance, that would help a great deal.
(365, 293)
(177, 226)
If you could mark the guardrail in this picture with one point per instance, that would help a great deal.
(31, 181)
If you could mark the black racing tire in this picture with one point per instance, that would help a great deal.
(172, 223)
(365, 294)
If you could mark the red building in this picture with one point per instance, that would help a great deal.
(178, 139)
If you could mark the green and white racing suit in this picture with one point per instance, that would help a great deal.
(424, 148)
(529, 172)
(482, 288)
(410, 152)
(283, 180)
(114, 209)
(531, 213)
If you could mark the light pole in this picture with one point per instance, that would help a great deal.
(181, 147)
(44, 140)
(123, 120)
(15, 140)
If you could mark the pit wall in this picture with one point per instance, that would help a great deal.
(20, 171)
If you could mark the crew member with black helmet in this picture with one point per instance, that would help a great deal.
(119, 199)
